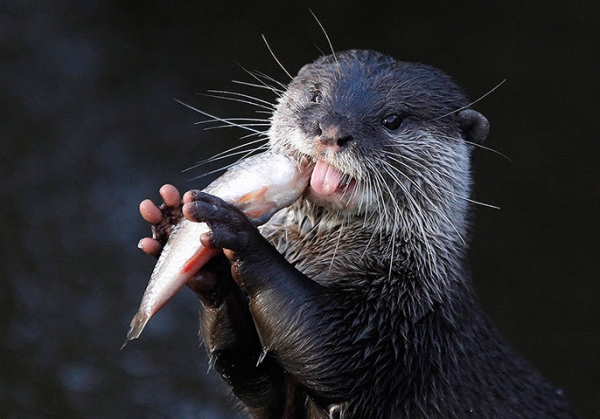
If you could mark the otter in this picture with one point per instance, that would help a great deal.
(356, 301)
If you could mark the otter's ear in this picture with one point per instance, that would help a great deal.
(474, 125)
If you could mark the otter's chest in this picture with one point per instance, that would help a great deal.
(330, 251)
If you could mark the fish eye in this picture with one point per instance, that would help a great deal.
(392, 122)
(317, 97)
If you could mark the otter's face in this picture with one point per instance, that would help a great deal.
(380, 132)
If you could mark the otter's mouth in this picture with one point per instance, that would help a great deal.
(329, 183)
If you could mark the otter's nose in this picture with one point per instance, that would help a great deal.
(333, 137)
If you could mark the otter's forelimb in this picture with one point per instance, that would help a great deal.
(288, 308)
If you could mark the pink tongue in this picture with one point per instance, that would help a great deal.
(325, 179)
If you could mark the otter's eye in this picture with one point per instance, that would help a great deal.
(392, 122)
(317, 97)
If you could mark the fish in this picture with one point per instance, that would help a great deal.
(259, 186)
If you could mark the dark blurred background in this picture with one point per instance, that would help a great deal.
(89, 128)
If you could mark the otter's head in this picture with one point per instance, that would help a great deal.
(387, 137)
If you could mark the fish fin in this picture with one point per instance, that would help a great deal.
(253, 195)
(255, 206)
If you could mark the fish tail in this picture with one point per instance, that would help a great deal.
(136, 327)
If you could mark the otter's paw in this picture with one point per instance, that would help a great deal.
(161, 218)
(230, 228)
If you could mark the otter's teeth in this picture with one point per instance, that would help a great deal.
(325, 179)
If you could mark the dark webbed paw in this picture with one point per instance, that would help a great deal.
(230, 228)
(213, 284)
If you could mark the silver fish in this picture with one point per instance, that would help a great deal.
(259, 185)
